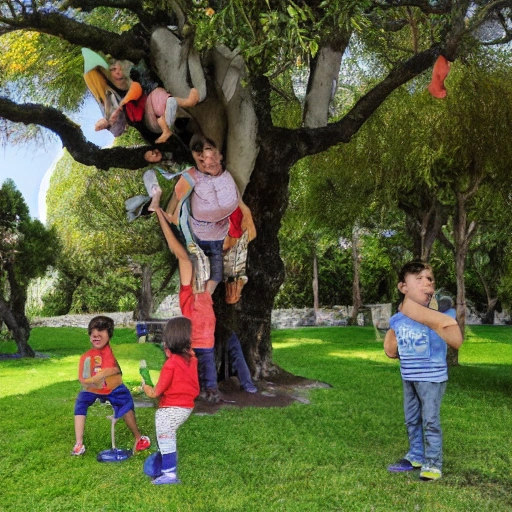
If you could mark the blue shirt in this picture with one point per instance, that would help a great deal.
(421, 350)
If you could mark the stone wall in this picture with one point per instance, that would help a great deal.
(372, 314)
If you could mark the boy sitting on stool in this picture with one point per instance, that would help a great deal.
(101, 378)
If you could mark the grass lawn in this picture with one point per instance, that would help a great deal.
(330, 455)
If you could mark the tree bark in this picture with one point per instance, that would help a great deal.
(144, 295)
(424, 222)
(462, 234)
(356, 289)
(315, 283)
(19, 327)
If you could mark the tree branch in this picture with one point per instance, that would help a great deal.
(312, 141)
(89, 5)
(127, 45)
(78, 146)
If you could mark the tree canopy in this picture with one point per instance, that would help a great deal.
(243, 57)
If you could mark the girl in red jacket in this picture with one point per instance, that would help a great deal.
(177, 388)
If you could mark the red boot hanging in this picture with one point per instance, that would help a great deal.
(439, 74)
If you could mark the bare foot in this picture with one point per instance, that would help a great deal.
(165, 135)
(155, 198)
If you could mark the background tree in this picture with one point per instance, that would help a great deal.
(27, 248)
(106, 259)
(240, 88)
(442, 160)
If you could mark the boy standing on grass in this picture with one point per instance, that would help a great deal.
(101, 378)
(418, 337)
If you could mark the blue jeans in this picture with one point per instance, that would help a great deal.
(213, 250)
(422, 407)
(206, 367)
(238, 363)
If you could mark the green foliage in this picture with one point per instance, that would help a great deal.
(126, 303)
(100, 291)
(57, 301)
(350, 433)
(27, 248)
(103, 252)
(273, 36)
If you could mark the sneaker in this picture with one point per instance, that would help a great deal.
(212, 396)
(150, 182)
(166, 478)
(142, 444)
(403, 465)
(78, 449)
(250, 389)
(429, 474)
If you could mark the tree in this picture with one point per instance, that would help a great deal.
(443, 175)
(241, 86)
(104, 256)
(27, 248)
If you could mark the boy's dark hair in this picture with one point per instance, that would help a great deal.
(176, 336)
(412, 267)
(199, 141)
(102, 323)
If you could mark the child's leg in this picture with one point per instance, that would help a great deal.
(239, 364)
(131, 423)
(412, 412)
(167, 422)
(431, 395)
(166, 131)
(83, 401)
(190, 101)
(155, 198)
(79, 428)
(122, 403)
(207, 369)
(213, 249)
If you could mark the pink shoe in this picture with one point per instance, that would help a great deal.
(78, 449)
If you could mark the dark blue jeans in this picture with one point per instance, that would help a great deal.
(206, 367)
(238, 364)
(422, 407)
(213, 250)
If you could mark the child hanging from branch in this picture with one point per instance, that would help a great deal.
(124, 100)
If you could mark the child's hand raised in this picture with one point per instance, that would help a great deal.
(144, 373)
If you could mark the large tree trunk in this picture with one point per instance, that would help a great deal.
(145, 295)
(13, 314)
(20, 333)
(267, 197)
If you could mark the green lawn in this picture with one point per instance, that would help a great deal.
(329, 455)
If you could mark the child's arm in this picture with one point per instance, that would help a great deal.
(391, 345)
(171, 207)
(442, 324)
(164, 382)
(150, 391)
(97, 379)
(185, 265)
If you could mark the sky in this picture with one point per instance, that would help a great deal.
(29, 165)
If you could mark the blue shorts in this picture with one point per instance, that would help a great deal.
(120, 399)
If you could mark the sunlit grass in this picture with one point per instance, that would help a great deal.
(330, 455)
